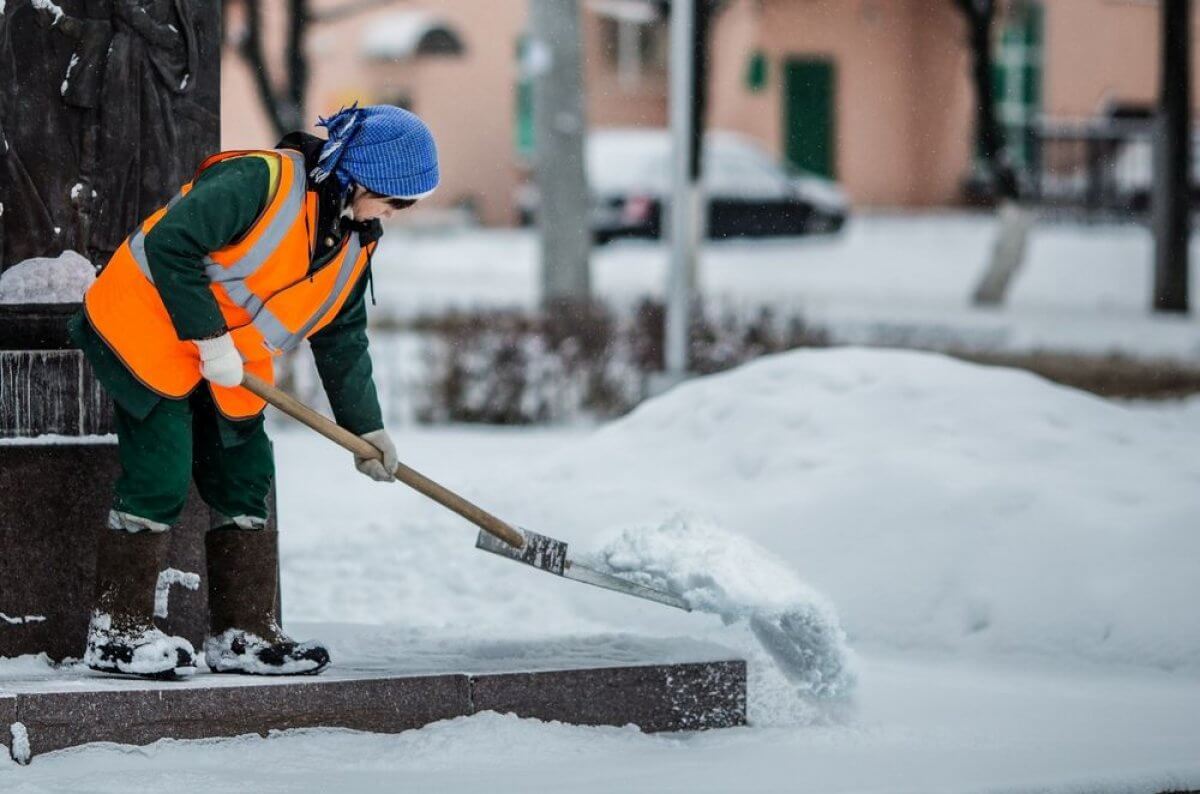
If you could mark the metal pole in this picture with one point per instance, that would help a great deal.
(559, 129)
(686, 198)
(1172, 183)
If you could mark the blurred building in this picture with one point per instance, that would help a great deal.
(873, 93)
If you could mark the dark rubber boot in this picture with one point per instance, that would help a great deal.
(122, 637)
(246, 637)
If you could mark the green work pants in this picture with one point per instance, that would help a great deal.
(181, 441)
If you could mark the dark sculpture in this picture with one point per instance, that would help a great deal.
(106, 107)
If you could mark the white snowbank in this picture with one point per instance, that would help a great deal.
(939, 505)
(62, 279)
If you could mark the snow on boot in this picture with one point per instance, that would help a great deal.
(122, 637)
(243, 574)
(114, 646)
(237, 651)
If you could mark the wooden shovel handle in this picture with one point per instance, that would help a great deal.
(365, 449)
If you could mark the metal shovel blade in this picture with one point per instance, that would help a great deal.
(550, 555)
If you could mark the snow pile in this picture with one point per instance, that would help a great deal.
(720, 573)
(21, 752)
(62, 279)
(939, 505)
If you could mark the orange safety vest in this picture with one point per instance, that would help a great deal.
(261, 282)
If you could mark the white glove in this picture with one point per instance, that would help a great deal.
(372, 467)
(220, 361)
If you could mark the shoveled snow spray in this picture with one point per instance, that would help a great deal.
(723, 574)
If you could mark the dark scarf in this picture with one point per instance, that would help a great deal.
(331, 202)
(332, 225)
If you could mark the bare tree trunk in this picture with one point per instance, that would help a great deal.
(284, 106)
(559, 169)
(297, 60)
(1015, 221)
(980, 15)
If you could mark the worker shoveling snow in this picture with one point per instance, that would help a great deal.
(685, 564)
(723, 574)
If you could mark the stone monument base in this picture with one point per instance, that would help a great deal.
(54, 502)
(58, 710)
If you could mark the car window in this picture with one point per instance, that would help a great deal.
(628, 162)
(737, 175)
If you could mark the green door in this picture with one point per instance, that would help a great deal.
(808, 115)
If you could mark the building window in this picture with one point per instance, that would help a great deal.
(757, 72)
(634, 49)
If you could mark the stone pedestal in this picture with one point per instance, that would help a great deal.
(54, 506)
(46, 386)
(57, 469)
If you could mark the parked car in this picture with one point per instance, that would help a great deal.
(749, 194)
(1133, 173)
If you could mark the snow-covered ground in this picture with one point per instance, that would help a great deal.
(887, 280)
(1015, 565)
(919, 725)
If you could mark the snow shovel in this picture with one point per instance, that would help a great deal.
(498, 537)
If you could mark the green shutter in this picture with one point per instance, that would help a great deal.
(523, 127)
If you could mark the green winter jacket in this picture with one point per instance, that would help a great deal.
(223, 204)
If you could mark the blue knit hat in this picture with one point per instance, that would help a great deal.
(386, 149)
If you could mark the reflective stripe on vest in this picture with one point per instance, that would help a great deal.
(272, 236)
(233, 278)
(137, 241)
(271, 327)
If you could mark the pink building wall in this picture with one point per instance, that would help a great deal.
(903, 97)
(1104, 50)
(901, 93)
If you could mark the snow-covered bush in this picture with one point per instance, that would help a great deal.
(514, 367)
(505, 367)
